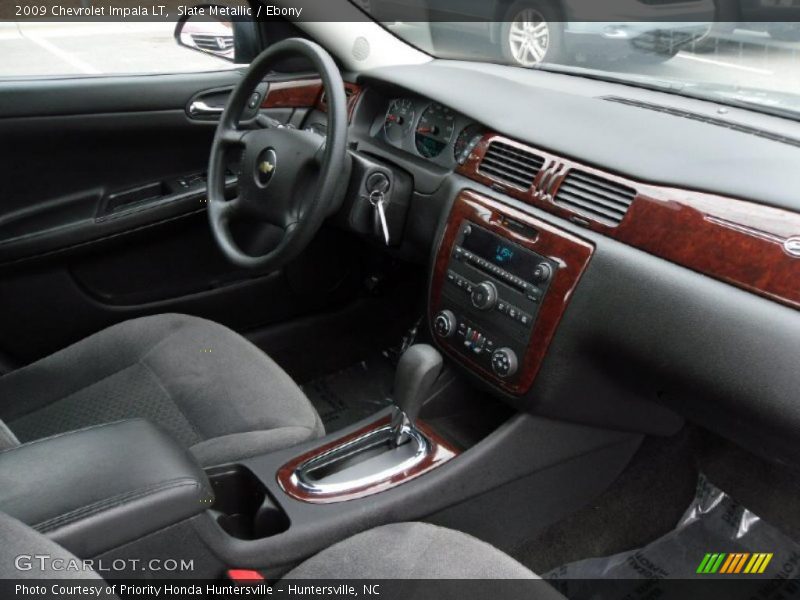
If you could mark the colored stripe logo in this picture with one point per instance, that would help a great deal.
(735, 563)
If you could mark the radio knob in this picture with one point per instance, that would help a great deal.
(444, 323)
(504, 362)
(542, 273)
(484, 295)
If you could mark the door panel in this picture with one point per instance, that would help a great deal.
(73, 149)
(102, 215)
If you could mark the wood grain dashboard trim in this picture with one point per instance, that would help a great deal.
(571, 253)
(441, 452)
(293, 93)
(306, 93)
(739, 242)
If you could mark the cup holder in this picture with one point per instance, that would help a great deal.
(242, 506)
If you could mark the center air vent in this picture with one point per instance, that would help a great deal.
(510, 164)
(595, 197)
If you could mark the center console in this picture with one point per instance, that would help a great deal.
(501, 281)
(101, 487)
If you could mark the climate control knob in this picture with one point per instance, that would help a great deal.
(484, 295)
(504, 362)
(444, 323)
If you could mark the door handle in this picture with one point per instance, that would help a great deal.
(199, 108)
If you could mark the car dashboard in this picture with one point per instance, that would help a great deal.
(577, 254)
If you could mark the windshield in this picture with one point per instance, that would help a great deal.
(751, 64)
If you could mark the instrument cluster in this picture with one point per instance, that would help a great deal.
(428, 129)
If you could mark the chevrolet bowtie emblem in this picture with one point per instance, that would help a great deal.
(266, 167)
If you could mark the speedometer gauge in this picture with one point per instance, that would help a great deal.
(434, 130)
(399, 119)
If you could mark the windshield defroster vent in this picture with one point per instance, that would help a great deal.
(595, 197)
(510, 164)
(685, 114)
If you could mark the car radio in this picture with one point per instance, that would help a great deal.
(490, 298)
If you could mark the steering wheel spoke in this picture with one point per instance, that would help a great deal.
(231, 137)
(266, 122)
(230, 208)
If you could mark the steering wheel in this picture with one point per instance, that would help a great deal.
(289, 178)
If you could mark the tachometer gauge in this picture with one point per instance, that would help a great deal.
(399, 119)
(466, 141)
(434, 130)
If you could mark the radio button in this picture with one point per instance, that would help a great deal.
(533, 294)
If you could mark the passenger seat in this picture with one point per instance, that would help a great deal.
(398, 551)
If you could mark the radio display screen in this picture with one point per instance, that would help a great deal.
(499, 251)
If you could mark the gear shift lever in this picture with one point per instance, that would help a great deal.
(418, 368)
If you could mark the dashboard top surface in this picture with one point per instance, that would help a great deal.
(573, 116)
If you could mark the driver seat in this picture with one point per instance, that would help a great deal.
(215, 392)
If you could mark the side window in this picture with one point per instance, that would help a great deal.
(35, 48)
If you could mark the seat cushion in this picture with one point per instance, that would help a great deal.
(215, 392)
(411, 551)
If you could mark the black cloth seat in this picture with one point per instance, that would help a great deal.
(409, 551)
(212, 390)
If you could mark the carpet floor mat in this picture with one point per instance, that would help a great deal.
(716, 541)
(352, 394)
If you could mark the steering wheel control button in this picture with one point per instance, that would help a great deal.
(504, 362)
(266, 165)
(484, 295)
(444, 324)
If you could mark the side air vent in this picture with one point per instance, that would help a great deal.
(595, 197)
(510, 164)
(348, 92)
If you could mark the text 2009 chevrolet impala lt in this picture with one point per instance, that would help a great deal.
(368, 300)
